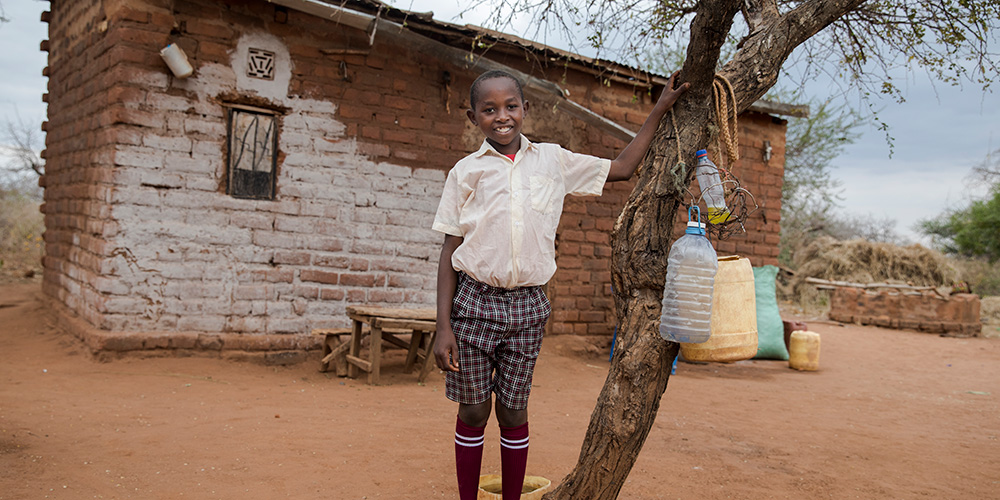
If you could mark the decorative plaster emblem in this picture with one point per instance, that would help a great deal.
(260, 64)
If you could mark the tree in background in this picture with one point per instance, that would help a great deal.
(21, 224)
(810, 193)
(20, 163)
(863, 39)
(972, 231)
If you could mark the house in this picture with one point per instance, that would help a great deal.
(297, 171)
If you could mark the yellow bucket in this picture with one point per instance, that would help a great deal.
(734, 316)
(803, 351)
(533, 489)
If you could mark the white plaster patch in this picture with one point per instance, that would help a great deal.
(276, 88)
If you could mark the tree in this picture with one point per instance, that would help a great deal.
(20, 164)
(941, 36)
(809, 194)
(973, 231)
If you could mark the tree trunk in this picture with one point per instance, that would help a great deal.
(641, 239)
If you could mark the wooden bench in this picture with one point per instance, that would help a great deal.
(410, 329)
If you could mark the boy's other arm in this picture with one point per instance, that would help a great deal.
(625, 164)
(445, 347)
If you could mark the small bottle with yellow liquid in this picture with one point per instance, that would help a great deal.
(711, 188)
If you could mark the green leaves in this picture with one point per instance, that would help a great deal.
(973, 231)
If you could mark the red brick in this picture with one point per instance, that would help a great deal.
(364, 280)
(209, 29)
(401, 103)
(400, 136)
(366, 97)
(296, 258)
(130, 14)
(353, 111)
(386, 296)
(319, 276)
(415, 122)
(274, 275)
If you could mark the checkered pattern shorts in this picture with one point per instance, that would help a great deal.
(499, 333)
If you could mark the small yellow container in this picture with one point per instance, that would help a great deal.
(803, 350)
(533, 489)
(734, 316)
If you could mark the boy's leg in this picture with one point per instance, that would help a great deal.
(471, 386)
(469, 429)
(515, 366)
(513, 449)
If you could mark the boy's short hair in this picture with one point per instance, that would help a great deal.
(489, 75)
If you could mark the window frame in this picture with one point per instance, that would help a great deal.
(232, 112)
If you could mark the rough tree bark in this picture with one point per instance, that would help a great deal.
(641, 239)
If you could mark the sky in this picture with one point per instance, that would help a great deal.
(939, 133)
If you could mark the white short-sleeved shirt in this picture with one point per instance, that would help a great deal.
(508, 211)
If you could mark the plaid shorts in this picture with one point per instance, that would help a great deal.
(499, 333)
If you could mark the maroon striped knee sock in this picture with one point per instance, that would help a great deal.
(513, 459)
(468, 458)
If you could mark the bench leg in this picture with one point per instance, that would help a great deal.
(324, 365)
(428, 354)
(416, 342)
(376, 355)
(355, 350)
(337, 356)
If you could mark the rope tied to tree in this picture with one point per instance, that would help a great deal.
(679, 171)
(725, 115)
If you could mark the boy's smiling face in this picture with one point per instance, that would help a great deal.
(499, 112)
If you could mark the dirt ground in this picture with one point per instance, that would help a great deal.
(890, 414)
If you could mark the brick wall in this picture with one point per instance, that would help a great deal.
(956, 315)
(77, 212)
(142, 237)
(581, 288)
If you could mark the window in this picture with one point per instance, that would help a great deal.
(252, 146)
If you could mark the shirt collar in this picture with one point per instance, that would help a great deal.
(486, 148)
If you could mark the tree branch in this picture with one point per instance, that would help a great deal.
(758, 13)
(755, 67)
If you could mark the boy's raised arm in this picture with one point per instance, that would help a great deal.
(625, 164)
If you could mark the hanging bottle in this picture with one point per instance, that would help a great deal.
(686, 312)
(711, 188)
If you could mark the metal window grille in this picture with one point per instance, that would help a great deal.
(260, 64)
(253, 145)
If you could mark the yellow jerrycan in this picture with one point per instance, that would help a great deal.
(734, 316)
(803, 350)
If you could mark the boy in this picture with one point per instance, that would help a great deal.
(499, 212)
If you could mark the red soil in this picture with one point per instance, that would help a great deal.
(890, 414)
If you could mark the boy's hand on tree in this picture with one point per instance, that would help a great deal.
(446, 350)
(670, 94)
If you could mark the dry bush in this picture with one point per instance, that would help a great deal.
(982, 277)
(21, 247)
(989, 314)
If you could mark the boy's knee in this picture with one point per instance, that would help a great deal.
(511, 418)
(475, 415)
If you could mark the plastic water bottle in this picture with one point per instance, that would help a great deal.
(711, 188)
(687, 295)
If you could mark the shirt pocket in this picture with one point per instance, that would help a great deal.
(543, 191)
